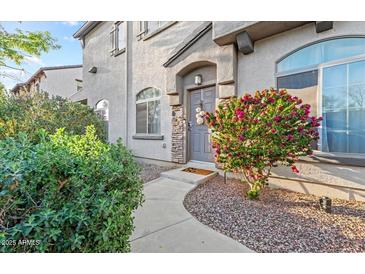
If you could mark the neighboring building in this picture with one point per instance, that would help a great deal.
(152, 76)
(64, 81)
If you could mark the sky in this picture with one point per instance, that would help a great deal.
(70, 52)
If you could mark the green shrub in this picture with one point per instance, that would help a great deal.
(28, 113)
(67, 193)
(253, 133)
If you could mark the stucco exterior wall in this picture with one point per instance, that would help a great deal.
(146, 58)
(109, 82)
(120, 78)
(61, 82)
(257, 71)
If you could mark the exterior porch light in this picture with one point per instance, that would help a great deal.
(93, 70)
(325, 204)
(198, 80)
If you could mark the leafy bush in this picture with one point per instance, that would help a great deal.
(252, 134)
(28, 113)
(67, 193)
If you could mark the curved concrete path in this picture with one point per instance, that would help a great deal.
(164, 225)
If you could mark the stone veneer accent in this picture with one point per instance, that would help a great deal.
(224, 100)
(178, 135)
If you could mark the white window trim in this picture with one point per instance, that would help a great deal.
(143, 30)
(320, 68)
(344, 61)
(149, 34)
(141, 101)
(107, 109)
(115, 51)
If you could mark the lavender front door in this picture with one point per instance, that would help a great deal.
(199, 145)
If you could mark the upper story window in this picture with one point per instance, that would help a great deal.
(155, 25)
(330, 76)
(78, 85)
(148, 113)
(148, 29)
(118, 38)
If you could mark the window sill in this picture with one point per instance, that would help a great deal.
(147, 137)
(140, 35)
(157, 31)
(118, 52)
(347, 159)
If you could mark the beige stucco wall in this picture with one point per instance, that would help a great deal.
(202, 53)
(61, 82)
(109, 81)
(146, 70)
(338, 179)
(246, 72)
(257, 71)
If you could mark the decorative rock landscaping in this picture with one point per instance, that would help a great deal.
(152, 171)
(281, 221)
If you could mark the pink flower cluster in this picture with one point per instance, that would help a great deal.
(239, 114)
(268, 128)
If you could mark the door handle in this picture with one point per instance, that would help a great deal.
(189, 125)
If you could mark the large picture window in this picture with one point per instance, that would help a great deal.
(331, 77)
(148, 114)
(343, 108)
(323, 52)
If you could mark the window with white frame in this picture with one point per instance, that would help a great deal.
(155, 25)
(102, 108)
(148, 113)
(118, 38)
(78, 85)
(330, 75)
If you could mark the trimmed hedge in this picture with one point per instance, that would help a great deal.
(67, 193)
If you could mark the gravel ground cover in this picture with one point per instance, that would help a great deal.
(152, 171)
(281, 221)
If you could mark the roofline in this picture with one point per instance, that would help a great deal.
(42, 69)
(18, 85)
(61, 67)
(188, 42)
(85, 29)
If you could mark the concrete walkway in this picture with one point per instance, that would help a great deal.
(164, 225)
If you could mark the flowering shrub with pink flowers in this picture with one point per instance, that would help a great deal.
(254, 133)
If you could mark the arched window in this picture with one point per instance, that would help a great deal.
(330, 76)
(322, 52)
(148, 113)
(102, 108)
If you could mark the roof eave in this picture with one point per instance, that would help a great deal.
(43, 69)
(85, 29)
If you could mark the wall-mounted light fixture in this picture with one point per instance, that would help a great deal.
(198, 80)
(93, 70)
